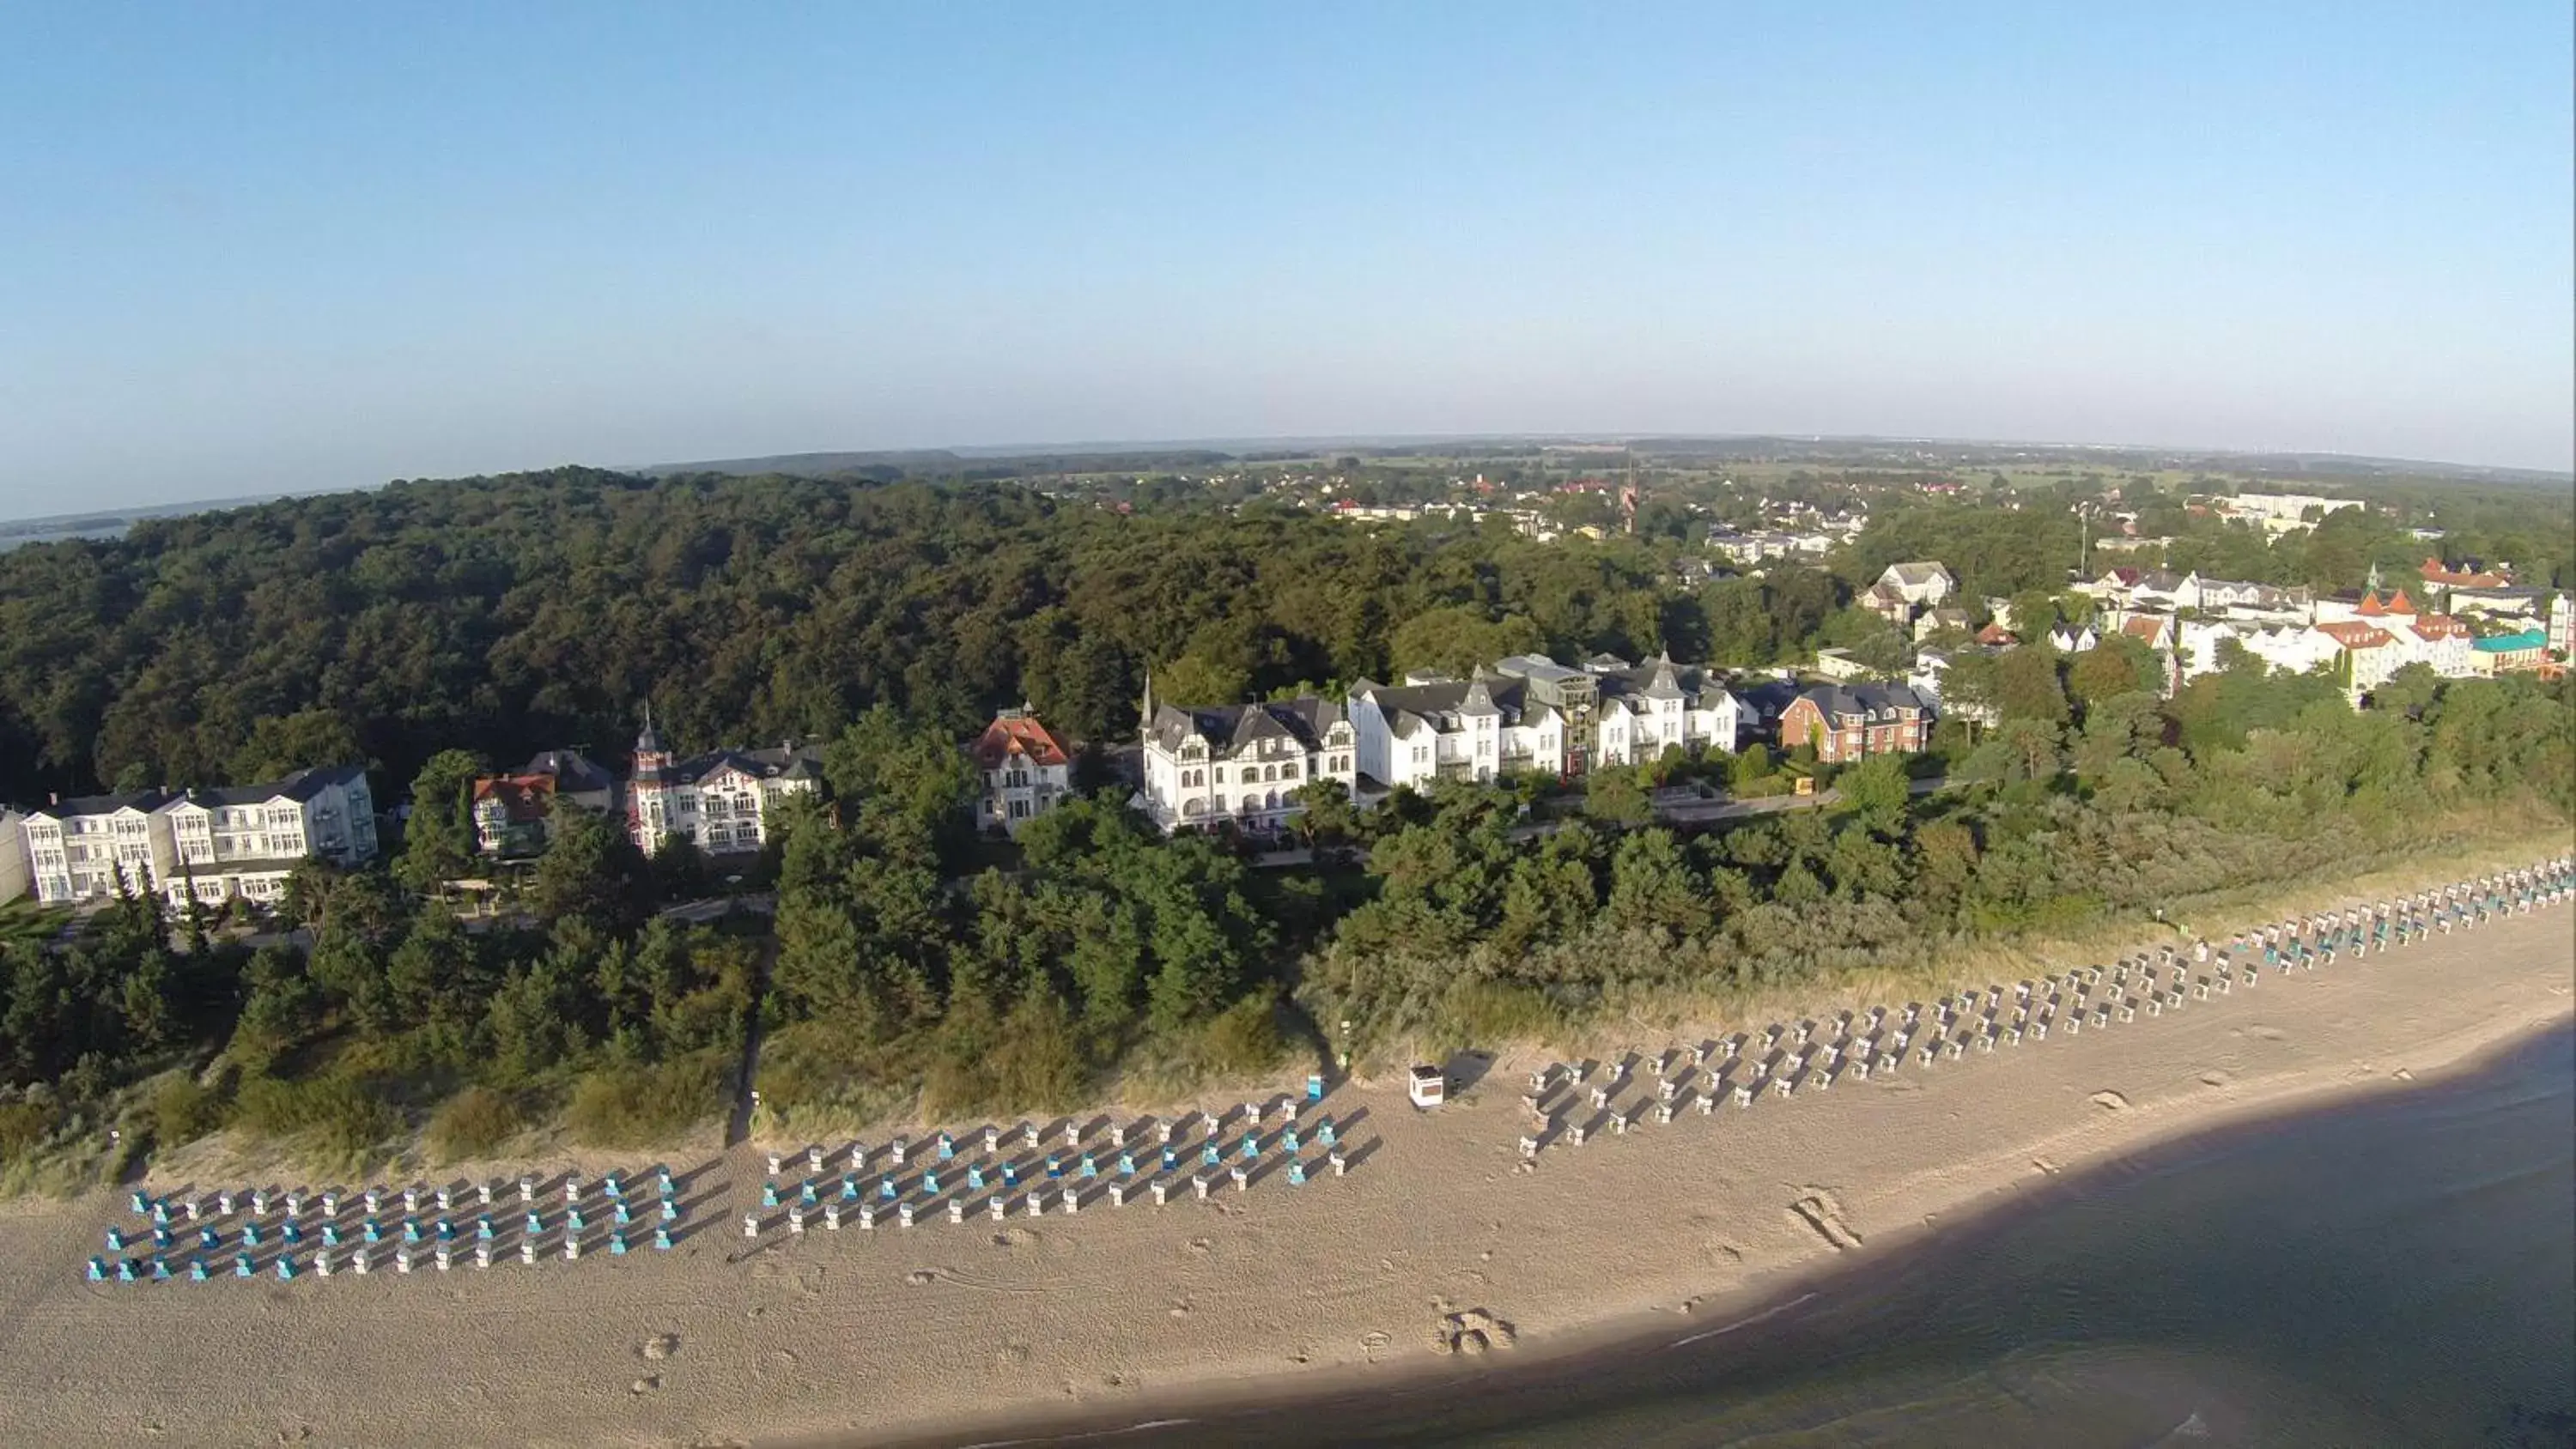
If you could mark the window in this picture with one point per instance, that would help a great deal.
(1288, 771)
(1270, 772)
(1019, 810)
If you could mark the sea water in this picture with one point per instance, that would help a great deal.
(2395, 1271)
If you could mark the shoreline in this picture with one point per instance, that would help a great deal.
(957, 1335)
(1817, 1282)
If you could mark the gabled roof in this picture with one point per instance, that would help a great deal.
(1662, 679)
(573, 772)
(524, 799)
(2147, 628)
(143, 801)
(1018, 734)
(1848, 701)
(298, 787)
(784, 762)
(1446, 706)
(1995, 634)
(2440, 574)
(2356, 634)
(1229, 727)
(2439, 626)
(1917, 573)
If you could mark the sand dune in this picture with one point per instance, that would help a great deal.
(1439, 1243)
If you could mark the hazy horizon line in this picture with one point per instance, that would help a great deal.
(986, 452)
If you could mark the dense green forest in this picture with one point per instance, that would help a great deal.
(507, 615)
(436, 627)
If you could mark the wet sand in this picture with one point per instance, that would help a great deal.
(978, 1330)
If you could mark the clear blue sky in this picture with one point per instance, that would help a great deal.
(259, 246)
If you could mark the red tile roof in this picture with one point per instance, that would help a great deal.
(522, 797)
(2440, 575)
(2354, 634)
(1021, 735)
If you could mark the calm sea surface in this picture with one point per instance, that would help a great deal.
(2398, 1272)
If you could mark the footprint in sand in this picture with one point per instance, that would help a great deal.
(660, 1346)
(2110, 1101)
(1825, 1216)
(2214, 1079)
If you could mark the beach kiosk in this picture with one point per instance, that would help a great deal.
(1429, 1086)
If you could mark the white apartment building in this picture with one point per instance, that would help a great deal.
(1416, 734)
(719, 801)
(15, 879)
(1244, 763)
(209, 845)
(245, 840)
(2281, 512)
(1027, 771)
(94, 847)
(1660, 705)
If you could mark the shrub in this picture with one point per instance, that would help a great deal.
(473, 1123)
(184, 1110)
(334, 1115)
(1244, 1040)
(638, 1106)
(1486, 1013)
(24, 1126)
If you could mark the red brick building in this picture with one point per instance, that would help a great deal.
(1848, 722)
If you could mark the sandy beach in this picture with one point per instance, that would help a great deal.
(962, 1331)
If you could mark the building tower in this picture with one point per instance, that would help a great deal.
(648, 809)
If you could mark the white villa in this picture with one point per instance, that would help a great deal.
(1243, 763)
(720, 801)
(1027, 771)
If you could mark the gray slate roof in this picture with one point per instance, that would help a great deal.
(299, 787)
(143, 800)
(1864, 700)
(1230, 727)
(574, 773)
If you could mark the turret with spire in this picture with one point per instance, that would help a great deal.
(648, 793)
